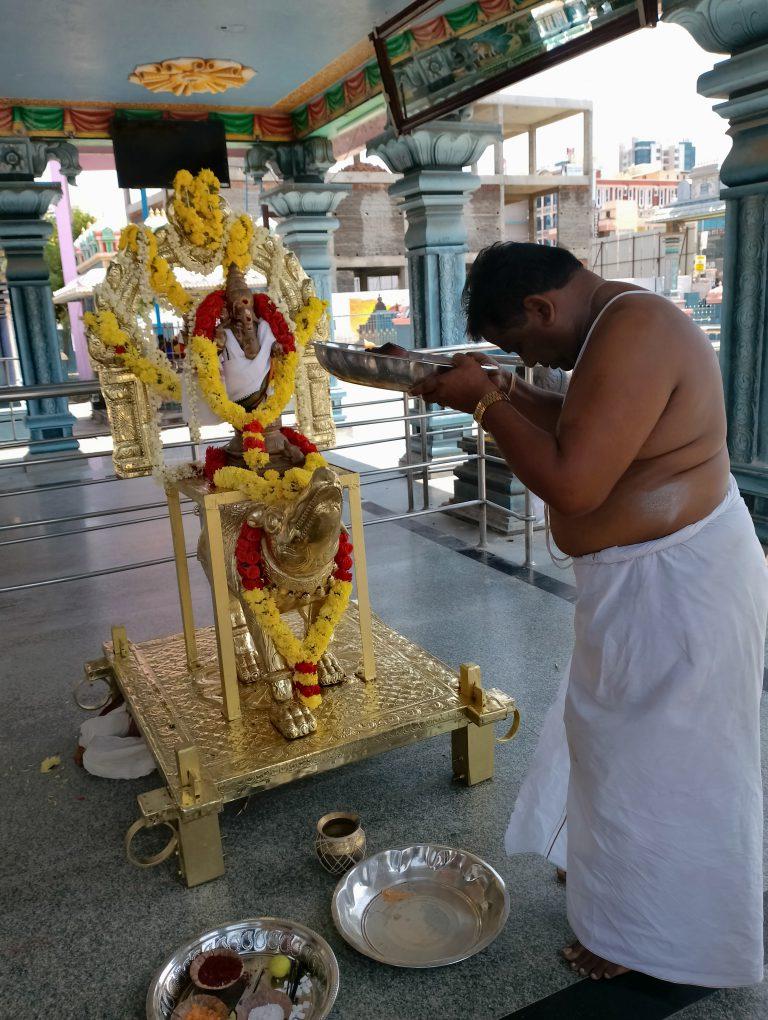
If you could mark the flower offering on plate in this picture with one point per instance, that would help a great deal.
(285, 967)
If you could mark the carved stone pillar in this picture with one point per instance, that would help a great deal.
(305, 206)
(740, 27)
(306, 213)
(23, 234)
(434, 190)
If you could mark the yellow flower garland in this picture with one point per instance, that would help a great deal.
(161, 276)
(158, 375)
(197, 208)
(270, 487)
(238, 249)
(319, 634)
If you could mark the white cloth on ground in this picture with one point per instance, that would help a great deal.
(664, 796)
(109, 752)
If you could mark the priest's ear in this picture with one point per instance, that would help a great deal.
(268, 518)
(539, 309)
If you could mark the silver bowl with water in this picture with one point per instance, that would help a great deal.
(421, 906)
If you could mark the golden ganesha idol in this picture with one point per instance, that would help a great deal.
(285, 549)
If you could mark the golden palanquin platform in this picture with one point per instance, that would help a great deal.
(212, 738)
(207, 761)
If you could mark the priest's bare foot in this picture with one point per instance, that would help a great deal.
(589, 964)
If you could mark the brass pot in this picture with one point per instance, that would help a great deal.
(340, 841)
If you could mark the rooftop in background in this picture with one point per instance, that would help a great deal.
(526, 115)
(520, 114)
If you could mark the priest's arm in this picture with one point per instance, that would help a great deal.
(612, 405)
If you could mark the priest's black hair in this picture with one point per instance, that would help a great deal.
(506, 273)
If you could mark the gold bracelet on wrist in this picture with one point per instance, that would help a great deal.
(491, 398)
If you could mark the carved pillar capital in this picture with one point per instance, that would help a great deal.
(439, 145)
(306, 199)
(433, 192)
(22, 159)
(720, 26)
(306, 161)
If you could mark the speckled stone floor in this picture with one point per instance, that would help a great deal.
(82, 931)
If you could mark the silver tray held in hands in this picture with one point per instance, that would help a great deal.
(354, 364)
(421, 906)
(256, 940)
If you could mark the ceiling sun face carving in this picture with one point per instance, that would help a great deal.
(187, 76)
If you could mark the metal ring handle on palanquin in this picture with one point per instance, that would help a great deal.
(514, 727)
(153, 859)
(87, 680)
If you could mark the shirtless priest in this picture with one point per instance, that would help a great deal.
(652, 751)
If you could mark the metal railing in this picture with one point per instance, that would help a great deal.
(417, 464)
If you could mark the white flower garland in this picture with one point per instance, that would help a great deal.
(191, 392)
(172, 473)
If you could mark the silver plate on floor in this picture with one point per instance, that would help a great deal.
(421, 906)
(256, 940)
(354, 364)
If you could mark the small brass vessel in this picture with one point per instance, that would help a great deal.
(340, 841)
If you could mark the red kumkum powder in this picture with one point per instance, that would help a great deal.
(218, 971)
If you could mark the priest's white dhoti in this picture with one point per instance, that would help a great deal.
(661, 782)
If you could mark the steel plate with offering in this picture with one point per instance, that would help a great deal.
(289, 973)
(388, 367)
(421, 906)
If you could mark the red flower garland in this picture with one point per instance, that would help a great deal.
(209, 313)
(248, 554)
(215, 458)
(252, 436)
(295, 438)
(266, 309)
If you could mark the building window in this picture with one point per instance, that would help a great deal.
(383, 282)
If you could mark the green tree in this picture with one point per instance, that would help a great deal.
(80, 220)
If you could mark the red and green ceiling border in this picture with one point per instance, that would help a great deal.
(93, 122)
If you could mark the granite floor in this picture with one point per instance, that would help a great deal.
(82, 931)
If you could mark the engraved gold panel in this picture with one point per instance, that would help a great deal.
(414, 697)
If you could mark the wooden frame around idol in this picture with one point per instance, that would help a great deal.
(646, 15)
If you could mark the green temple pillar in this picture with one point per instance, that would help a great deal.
(305, 206)
(23, 235)
(742, 81)
(433, 191)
